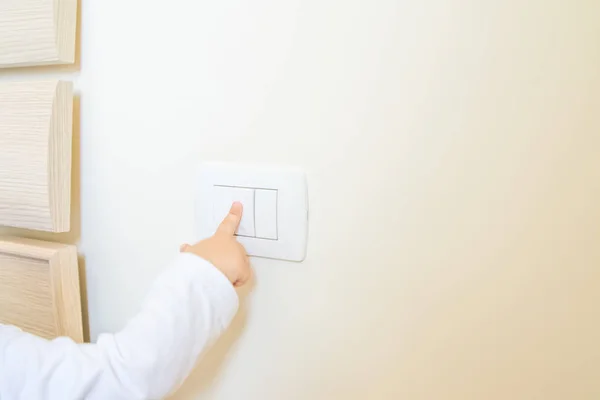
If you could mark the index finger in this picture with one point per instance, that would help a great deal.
(232, 221)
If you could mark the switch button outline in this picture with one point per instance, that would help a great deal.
(266, 216)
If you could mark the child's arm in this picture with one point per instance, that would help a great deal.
(190, 305)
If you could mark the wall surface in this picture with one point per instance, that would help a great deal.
(452, 148)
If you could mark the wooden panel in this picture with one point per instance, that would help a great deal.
(36, 126)
(39, 288)
(37, 32)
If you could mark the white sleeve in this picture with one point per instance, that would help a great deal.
(189, 306)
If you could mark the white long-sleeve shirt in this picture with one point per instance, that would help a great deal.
(189, 306)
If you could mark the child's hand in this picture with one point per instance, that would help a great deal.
(223, 251)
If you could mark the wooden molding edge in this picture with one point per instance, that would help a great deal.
(60, 155)
(64, 284)
(65, 22)
(64, 272)
(36, 134)
(37, 33)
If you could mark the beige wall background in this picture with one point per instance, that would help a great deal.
(452, 148)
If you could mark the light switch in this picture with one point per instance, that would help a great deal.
(225, 196)
(265, 214)
(275, 199)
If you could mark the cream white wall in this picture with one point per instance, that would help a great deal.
(452, 148)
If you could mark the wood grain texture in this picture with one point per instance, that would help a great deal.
(39, 288)
(36, 129)
(37, 32)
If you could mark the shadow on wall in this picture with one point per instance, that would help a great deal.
(214, 360)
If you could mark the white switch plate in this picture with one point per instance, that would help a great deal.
(288, 240)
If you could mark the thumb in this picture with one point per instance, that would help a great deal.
(232, 221)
